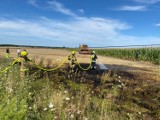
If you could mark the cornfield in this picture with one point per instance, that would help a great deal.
(140, 54)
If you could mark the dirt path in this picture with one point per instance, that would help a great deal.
(144, 70)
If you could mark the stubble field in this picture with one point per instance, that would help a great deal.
(127, 90)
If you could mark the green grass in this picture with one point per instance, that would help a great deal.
(140, 54)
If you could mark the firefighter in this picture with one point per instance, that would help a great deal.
(18, 52)
(24, 54)
(93, 60)
(23, 62)
(72, 61)
(7, 52)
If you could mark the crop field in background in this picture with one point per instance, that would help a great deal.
(139, 54)
(84, 95)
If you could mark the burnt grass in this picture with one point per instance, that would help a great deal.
(136, 96)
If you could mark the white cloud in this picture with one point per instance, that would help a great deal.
(78, 30)
(143, 7)
(57, 6)
(147, 1)
(81, 10)
(33, 2)
(133, 8)
(92, 31)
(158, 24)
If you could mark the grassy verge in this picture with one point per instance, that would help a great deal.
(61, 95)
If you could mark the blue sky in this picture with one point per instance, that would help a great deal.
(69, 23)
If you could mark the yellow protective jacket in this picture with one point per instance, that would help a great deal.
(72, 59)
(93, 57)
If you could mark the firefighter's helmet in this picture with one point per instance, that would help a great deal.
(24, 53)
(73, 52)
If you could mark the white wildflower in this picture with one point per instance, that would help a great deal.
(139, 113)
(30, 93)
(50, 105)
(45, 109)
(53, 109)
(65, 91)
(78, 111)
(72, 116)
(119, 86)
(119, 81)
(119, 77)
(85, 118)
(34, 106)
(67, 99)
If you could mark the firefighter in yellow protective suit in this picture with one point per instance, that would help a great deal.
(23, 62)
(24, 54)
(72, 61)
(93, 60)
(7, 53)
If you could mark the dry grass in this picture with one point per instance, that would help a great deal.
(51, 57)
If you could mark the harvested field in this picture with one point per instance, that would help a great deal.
(128, 89)
(54, 56)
